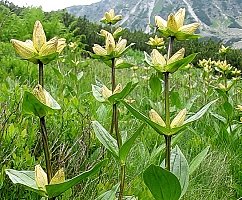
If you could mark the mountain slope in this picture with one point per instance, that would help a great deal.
(221, 19)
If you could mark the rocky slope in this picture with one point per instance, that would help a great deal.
(221, 19)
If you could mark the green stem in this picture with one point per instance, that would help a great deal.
(43, 129)
(122, 180)
(168, 152)
(114, 126)
(167, 107)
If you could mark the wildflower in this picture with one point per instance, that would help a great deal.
(162, 64)
(110, 17)
(39, 50)
(179, 119)
(223, 49)
(111, 49)
(156, 42)
(174, 26)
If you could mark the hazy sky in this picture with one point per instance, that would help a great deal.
(49, 5)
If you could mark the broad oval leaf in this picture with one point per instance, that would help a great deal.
(125, 92)
(179, 167)
(25, 178)
(105, 138)
(163, 184)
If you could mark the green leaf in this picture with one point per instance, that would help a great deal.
(110, 194)
(175, 99)
(197, 160)
(25, 178)
(179, 167)
(159, 129)
(124, 65)
(32, 105)
(54, 190)
(46, 59)
(125, 148)
(228, 108)
(125, 92)
(105, 138)
(180, 63)
(163, 184)
(200, 113)
(155, 84)
(219, 117)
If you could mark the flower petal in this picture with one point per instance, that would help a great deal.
(177, 56)
(97, 49)
(160, 22)
(190, 28)
(49, 47)
(171, 23)
(120, 47)
(39, 38)
(180, 16)
(24, 49)
(40, 177)
(179, 119)
(110, 43)
(157, 58)
(61, 45)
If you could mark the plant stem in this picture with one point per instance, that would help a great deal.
(167, 108)
(114, 126)
(43, 129)
(122, 177)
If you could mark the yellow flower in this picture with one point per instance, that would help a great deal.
(156, 42)
(106, 93)
(161, 63)
(110, 17)
(174, 26)
(223, 49)
(39, 50)
(111, 49)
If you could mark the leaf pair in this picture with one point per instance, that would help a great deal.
(164, 130)
(27, 179)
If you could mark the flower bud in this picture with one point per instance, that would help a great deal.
(155, 117)
(40, 178)
(179, 119)
(106, 93)
(59, 177)
(120, 47)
